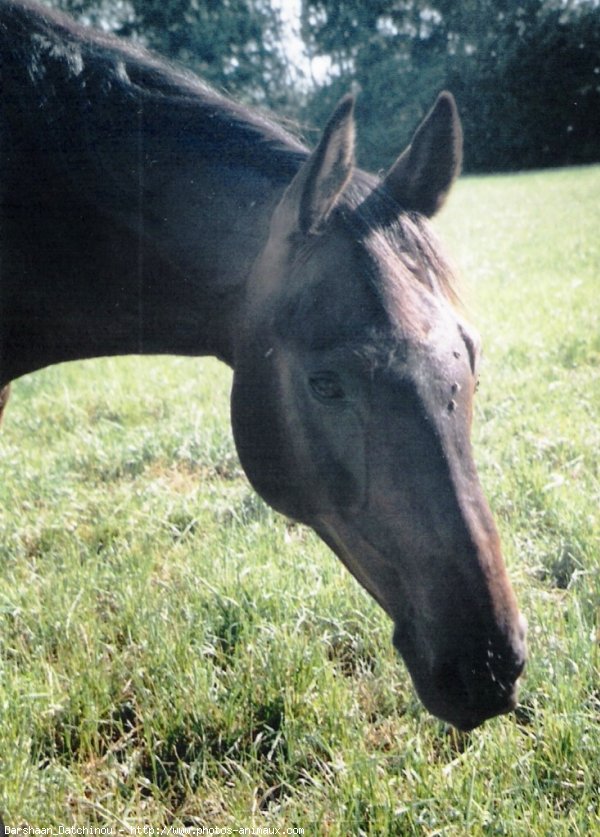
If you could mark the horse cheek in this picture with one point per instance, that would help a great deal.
(337, 458)
(261, 444)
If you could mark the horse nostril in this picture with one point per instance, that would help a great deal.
(518, 663)
(521, 643)
(522, 627)
(519, 649)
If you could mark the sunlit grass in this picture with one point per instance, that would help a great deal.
(174, 653)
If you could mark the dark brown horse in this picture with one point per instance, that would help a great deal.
(142, 213)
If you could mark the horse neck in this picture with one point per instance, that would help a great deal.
(129, 218)
(202, 227)
(160, 272)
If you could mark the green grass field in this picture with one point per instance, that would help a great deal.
(173, 653)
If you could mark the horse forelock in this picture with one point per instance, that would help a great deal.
(395, 238)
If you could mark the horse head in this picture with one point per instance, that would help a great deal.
(352, 403)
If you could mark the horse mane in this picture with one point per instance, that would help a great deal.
(86, 67)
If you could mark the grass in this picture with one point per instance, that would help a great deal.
(175, 654)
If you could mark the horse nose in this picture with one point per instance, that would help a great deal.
(482, 683)
(517, 654)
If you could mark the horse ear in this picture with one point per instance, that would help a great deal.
(421, 177)
(314, 191)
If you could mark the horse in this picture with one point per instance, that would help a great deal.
(142, 212)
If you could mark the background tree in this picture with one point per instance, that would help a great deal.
(528, 84)
(526, 75)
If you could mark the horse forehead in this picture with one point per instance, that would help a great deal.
(422, 336)
(409, 290)
(429, 358)
(347, 287)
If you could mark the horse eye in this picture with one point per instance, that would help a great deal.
(327, 386)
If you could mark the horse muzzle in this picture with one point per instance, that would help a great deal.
(468, 683)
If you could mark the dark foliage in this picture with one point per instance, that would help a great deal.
(526, 75)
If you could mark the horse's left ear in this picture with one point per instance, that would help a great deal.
(421, 177)
(314, 191)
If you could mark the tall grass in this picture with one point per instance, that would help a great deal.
(173, 653)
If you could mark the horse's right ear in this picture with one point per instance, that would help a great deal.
(315, 189)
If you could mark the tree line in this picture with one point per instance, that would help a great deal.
(526, 74)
